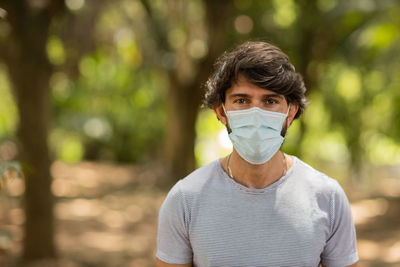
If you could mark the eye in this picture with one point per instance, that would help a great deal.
(240, 101)
(271, 101)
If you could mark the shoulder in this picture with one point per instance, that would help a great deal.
(184, 195)
(306, 174)
(196, 182)
(323, 190)
(317, 184)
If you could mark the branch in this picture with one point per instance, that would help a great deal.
(217, 14)
(158, 29)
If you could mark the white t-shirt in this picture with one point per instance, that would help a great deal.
(302, 219)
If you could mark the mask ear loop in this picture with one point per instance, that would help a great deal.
(284, 127)
(227, 119)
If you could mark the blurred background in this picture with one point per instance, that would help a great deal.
(100, 108)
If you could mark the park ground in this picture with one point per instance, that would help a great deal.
(107, 216)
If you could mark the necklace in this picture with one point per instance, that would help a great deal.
(284, 165)
(229, 168)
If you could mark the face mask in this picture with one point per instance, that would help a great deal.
(256, 133)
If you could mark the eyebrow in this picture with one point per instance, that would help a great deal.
(264, 96)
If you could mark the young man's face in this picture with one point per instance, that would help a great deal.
(245, 95)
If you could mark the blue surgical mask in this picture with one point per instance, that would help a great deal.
(256, 133)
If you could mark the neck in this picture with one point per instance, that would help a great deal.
(256, 176)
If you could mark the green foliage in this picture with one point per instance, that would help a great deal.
(113, 110)
(212, 138)
(8, 110)
(112, 105)
(56, 51)
(351, 72)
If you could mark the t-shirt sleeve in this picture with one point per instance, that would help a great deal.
(341, 247)
(173, 245)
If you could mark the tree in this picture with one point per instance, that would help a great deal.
(24, 52)
(186, 79)
(317, 35)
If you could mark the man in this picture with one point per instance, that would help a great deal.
(257, 206)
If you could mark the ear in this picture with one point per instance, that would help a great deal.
(292, 112)
(219, 111)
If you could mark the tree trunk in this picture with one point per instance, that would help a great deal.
(31, 85)
(184, 97)
(181, 113)
(30, 72)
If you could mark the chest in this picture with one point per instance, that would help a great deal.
(258, 231)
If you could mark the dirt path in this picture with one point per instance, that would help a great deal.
(107, 216)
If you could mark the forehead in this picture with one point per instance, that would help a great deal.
(243, 86)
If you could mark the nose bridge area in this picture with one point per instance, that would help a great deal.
(257, 118)
(258, 103)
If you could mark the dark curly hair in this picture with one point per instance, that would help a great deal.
(262, 64)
